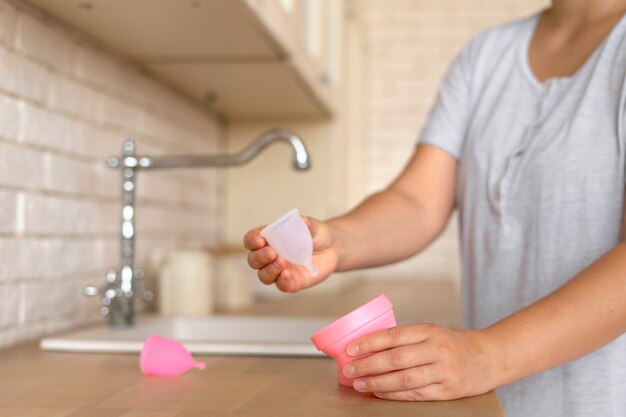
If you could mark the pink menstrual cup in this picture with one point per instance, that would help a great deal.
(165, 357)
(376, 314)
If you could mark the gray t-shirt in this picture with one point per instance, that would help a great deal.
(540, 194)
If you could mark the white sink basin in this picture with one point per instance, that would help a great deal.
(229, 335)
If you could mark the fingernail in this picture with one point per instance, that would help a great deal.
(379, 394)
(359, 385)
(353, 350)
(348, 370)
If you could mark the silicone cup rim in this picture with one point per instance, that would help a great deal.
(350, 322)
(278, 221)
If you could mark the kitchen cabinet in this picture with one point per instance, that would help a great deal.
(244, 59)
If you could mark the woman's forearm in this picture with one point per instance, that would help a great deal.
(385, 228)
(403, 219)
(583, 315)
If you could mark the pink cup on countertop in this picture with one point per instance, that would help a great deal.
(377, 314)
(165, 357)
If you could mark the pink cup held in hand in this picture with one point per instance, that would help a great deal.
(165, 357)
(376, 314)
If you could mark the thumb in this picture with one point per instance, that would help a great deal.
(311, 224)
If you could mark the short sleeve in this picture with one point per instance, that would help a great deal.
(447, 121)
(621, 122)
(621, 127)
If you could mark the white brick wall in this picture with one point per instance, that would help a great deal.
(64, 106)
(406, 47)
(8, 212)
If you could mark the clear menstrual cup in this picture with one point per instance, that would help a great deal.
(291, 239)
(165, 357)
(377, 314)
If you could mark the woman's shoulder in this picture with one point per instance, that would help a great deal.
(508, 29)
(501, 37)
(493, 48)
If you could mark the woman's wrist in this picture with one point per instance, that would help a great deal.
(498, 357)
(484, 367)
(338, 237)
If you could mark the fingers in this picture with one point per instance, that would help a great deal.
(432, 392)
(423, 362)
(253, 239)
(389, 360)
(286, 282)
(269, 273)
(260, 258)
(389, 338)
(407, 379)
(291, 279)
(272, 269)
(263, 258)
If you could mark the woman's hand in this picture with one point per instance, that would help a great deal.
(422, 362)
(289, 277)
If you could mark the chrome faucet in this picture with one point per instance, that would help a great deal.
(121, 286)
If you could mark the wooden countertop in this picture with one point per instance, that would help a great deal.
(36, 384)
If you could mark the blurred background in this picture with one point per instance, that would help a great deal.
(354, 78)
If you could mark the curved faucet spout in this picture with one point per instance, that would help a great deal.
(301, 160)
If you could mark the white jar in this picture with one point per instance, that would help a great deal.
(186, 284)
(233, 285)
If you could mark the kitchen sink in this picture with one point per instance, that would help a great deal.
(220, 335)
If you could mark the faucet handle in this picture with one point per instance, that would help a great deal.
(107, 291)
(107, 299)
(139, 274)
(91, 290)
(111, 291)
(112, 162)
(144, 293)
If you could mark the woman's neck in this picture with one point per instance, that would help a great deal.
(568, 33)
(574, 14)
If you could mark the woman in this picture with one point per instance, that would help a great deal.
(528, 140)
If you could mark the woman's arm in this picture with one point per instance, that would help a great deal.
(389, 226)
(428, 362)
(583, 315)
(400, 221)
